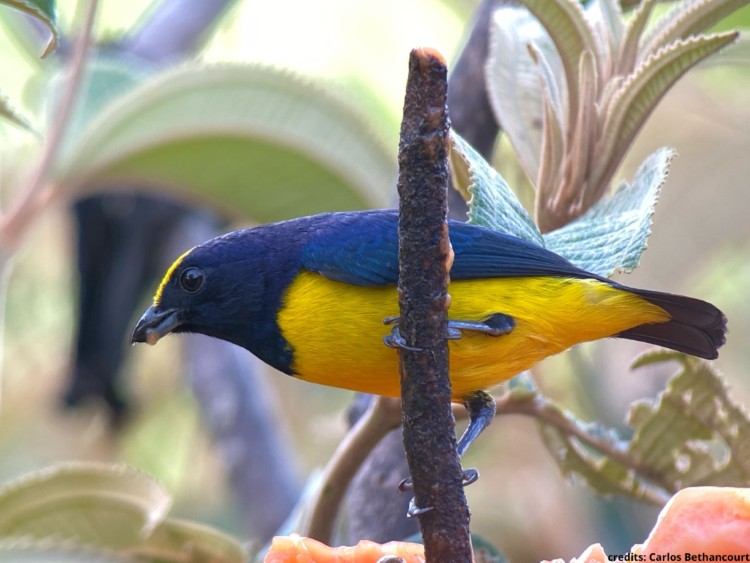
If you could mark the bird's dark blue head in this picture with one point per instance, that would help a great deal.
(228, 287)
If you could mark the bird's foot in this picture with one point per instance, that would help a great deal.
(469, 476)
(495, 325)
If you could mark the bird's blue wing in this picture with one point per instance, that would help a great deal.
(361, 248)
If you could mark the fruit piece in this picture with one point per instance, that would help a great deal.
(296, 549)
(703, 520)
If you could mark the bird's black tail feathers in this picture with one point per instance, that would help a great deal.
(697, 327)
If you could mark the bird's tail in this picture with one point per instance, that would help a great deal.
(696, 327)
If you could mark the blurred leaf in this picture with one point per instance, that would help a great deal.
(29, 550)
(9, 112)
(594, 466)
(92, 504)
(629, 48)
(251, 140)
(614, 232)
(45, 11)
(107, 78)
(694, 433)
(688, 18)
(637, 97)
(493, 204)
(566, 24)
(180, 540)
(513, 81)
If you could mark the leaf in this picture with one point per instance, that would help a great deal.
(600, 472)
(566, 24)
(694, 433)
(614, 232)
(493, 204)
(248, 139)
(46, 12)
(49, 550)
(9, 112)
(640, 93)
(513, 81)
(86, 503)
(181, 540)
(686, 19)
(629, 48)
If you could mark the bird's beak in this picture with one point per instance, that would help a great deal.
(155, 324)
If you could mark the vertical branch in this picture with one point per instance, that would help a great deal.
(425, 258)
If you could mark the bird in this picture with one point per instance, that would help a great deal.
(316, 298)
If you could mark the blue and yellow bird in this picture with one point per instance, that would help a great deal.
(309, 297)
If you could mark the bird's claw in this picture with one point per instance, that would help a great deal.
(469, 476)
(395, 340)
(413, 511)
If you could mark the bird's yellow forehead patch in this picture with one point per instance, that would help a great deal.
(168, 276)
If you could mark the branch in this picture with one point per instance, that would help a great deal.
(382, 417)
(174, 28)
(425, 258)
(37, 193)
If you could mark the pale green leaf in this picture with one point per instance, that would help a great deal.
(11, 113)
(45, 11)
(694, 433)
(640, 93)
(604, 475)
(566, 24)
(181, 540)
(251, 140)
(51, 550)
(514, 81)
(687, 18)
(493, 204)
(614, 232)
(86, 503)
(629, 48)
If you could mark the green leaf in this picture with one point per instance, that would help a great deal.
(566, 24)
(9, 112)
(513, 81)
(686, 19)
(86, 503)
(629, 107)
(694, 433)
(629, 48)
(50, 550)
(251, 140)
(493, 204)
(603, 474)
(613, 233)
(45, 11)
(181, 540)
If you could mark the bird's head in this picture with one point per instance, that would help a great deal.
(203, 291)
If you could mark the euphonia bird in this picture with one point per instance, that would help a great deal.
(309, 296)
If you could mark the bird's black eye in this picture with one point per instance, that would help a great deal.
(191, 280)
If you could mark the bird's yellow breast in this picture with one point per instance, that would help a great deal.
(336, 330)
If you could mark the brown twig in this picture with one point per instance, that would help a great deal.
(425, 258)
(382, 417)
(37, 192)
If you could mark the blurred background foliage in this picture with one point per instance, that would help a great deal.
(700, 246)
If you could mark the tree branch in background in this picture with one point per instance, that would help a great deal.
(174, 28)
(425, 259)
(383, 415)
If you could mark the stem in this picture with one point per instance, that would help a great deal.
(382, 417)
(425, 258)
(37, 192)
